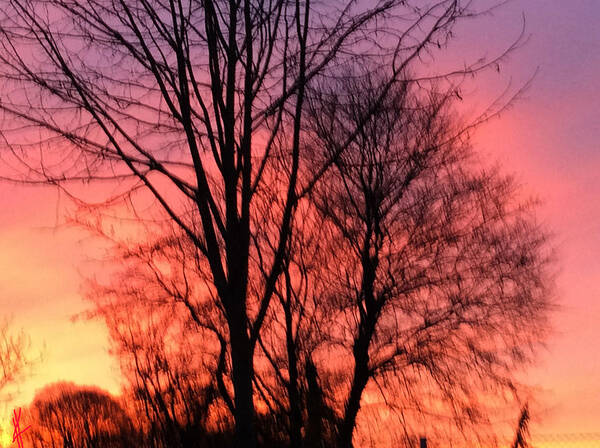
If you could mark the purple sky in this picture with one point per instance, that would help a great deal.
(551, 139)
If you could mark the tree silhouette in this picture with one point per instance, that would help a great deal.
(13, 357)
(200, 109)
(169, 361)
(69, 416)
(440, 284)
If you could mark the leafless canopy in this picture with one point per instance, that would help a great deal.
(200, 108)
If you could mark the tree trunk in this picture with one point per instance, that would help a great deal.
(359, 382)
(292, 386)
(242, 366)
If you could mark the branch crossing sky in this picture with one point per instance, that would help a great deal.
(550, 138)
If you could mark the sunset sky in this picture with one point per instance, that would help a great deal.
(550, 139)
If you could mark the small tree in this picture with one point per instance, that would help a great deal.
(13, 357)
(70, 416)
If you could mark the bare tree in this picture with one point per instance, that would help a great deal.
(291, 332)
(13, 357)
(68, 416)
(440, 282)
(166, 332)
(199, 106)
(168, 340)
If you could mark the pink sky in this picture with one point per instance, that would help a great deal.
(549, 139)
